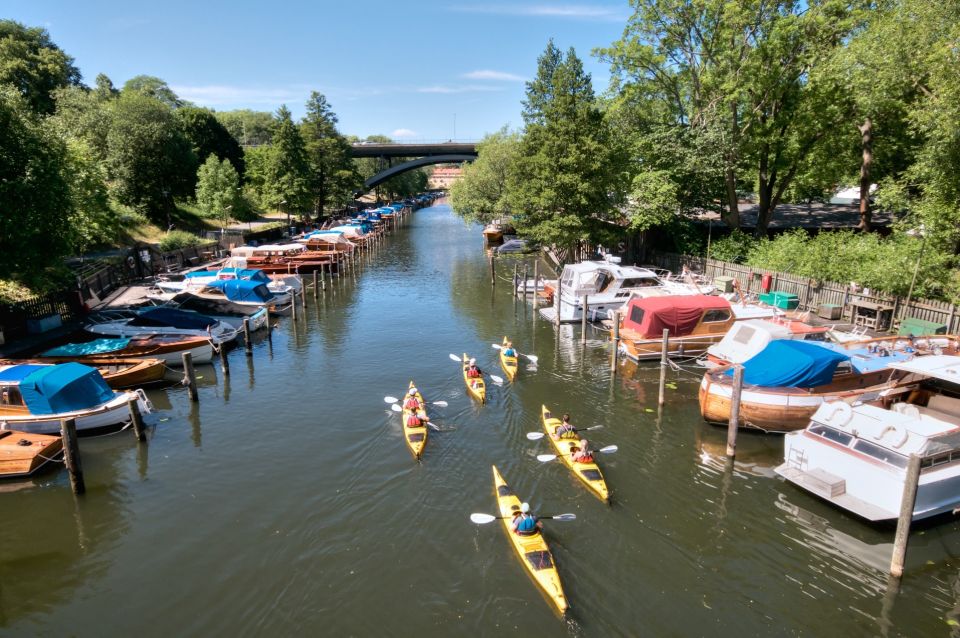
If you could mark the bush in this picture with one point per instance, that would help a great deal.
(178, 239)
(734, 247)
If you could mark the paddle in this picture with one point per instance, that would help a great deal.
(493, 377)
(532, 357)
(610, 449)
(536, 436)
(441, 404)
(483, 519)
(430, 424)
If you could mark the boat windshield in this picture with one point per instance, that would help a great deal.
(887, 456)
(829, 433)
(641, 282)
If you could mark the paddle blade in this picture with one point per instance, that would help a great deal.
(454, 357)
(535, 436)
(433, 427)
(396, 407)
(482, 519)
(442, 404)
(610, 449)
(496, 346)
(594, 427)
(543, 458)
(564, 517)
(390, 399)
(496, 379)
(532, 357)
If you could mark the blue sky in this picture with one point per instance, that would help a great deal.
(411, 70)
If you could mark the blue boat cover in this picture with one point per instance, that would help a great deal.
(791, 364)
(98, 346)
(64, 388)
(20, 372)
(863, 361)
(252, 274)
(173, 318)
(243, 290)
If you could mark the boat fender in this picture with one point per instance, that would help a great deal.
(839, 413)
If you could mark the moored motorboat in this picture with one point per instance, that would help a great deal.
(116, 371)
(475, 385)
(415, 436)
(508, 362)
(160, 320)
(588, 472)
(34, 398)
(167, 348)
(747, 338)
(532, 550)
(23, 453)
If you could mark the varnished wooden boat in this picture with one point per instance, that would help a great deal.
(509, 364)
(118, 372)
(416, 437)
(476, 387)
(167, 348)
(23, 453)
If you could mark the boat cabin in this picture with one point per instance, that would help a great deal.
(747, 338)
(51, 388)
(647, 318)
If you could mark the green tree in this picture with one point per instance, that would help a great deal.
(287, 175)
(92, 220)
(482, 194)
(149, 159)
(208, 135)
(564, 189)
(218, 188)
(84, 115)
(34, 65)
(250, 128)
(155, 88)
(34, 194)
(333, 177)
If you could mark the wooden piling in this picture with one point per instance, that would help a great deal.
(516, 269)
(616, 342)
(493, 273)
(558, 300)
(661, 397)
(71, 455)
(536, 284)
(907, 503)
(247, 341)
(733, 425)
(136, 419)
(293, 306)
(190, 375)
(316, 283)
(583, 321)
(303, 299)
(525, 270)
(224, 361)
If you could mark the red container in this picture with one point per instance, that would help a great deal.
(765, 282)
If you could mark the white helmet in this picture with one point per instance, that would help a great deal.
(473, 361)
(413, 391)
(525, 507)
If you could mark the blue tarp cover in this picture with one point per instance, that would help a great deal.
(252, 274)
(98, 346)
(791, 364)
(64, 388)
(863, 361)
(20, 372)
(243, 290)
(173, 318)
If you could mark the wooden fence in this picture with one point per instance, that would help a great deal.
(812, 293)
(15, 317)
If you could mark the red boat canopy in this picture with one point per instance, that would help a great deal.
(679, 314)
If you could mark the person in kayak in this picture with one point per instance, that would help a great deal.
(508, 350)
(473, 372)
(412, 403)
(525, 523)
(417, 419)
(565, 430)
(582, 454)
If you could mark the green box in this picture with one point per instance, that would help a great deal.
(782, 300)
(919, 327)
(724, 283)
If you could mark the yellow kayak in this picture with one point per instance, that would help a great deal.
(587, 472)
(533, 550)
(509, 364)
(475, 387)
(416, 437)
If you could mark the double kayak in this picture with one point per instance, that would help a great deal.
(508, 363)
(475, 385)
(588, 472)
(533, 551)
(416, 436)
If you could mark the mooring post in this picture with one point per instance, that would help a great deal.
(525, 271)
(616, 342)
(583, 321)
(536, 283)
(247, 341)
(661, 398)
(734, 422)
(303, 299)
(323, 278)
(493, 273)
(558, 300)
(71, 455)
(190, 375)
(293, 306)
(513, 291)
(906, 516)
(224, 361)
(316, 283)
(135, 418)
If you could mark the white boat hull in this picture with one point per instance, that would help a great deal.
(112, 415)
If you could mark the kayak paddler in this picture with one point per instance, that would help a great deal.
(524, 523)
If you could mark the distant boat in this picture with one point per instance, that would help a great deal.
(230, 300)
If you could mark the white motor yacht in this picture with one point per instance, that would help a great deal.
(160, 320)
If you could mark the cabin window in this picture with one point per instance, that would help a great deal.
(711, 316)
(639, 282)
(11, 396)
(636, 314)
(939, 459)
(829, 433)
(881, 453)
(744, 334)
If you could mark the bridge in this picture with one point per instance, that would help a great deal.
(424, 154)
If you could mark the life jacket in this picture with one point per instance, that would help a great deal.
(413, 421)
(579, 457)
(527, 525)
(473, 373)
(411, 404)
(567, 434)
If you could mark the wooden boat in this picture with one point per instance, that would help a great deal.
(167, 348)
(532, 551)
(747, 338)
(694, 322)
(493, 232)
(23, 453)
(788, 381)
(416, 437)
(509, 364)
(117, 372)
(286, 258)
(477, 388)
(587, 472)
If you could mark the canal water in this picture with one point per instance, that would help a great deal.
(286, 501)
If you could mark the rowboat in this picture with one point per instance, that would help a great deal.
(416, 437)
(533, 551)
(475, 387)
(116, 371)
(22, 453)
(588, 472)
(509, 364)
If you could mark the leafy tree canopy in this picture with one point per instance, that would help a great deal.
(34, 65)
(155, 88)
(481, 194)
(250, 128)
(218, 188)
(208, 135)
(333, 177)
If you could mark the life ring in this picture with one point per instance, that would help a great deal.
(900, 434)
(838, 413)
(130, 262)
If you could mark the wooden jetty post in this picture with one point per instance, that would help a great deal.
(906, 516)
(583, 321)
(71, 455)
(316, 283)
(293, 306)
(516, 270)
(525, 271)
(536, 283)
(734, 422)
(661, 397)
(493, 272)
(616, 342)
(247, 341)
(190, 375)
(558, 299)
(303, 299)
(136, 419)
(224, 361)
